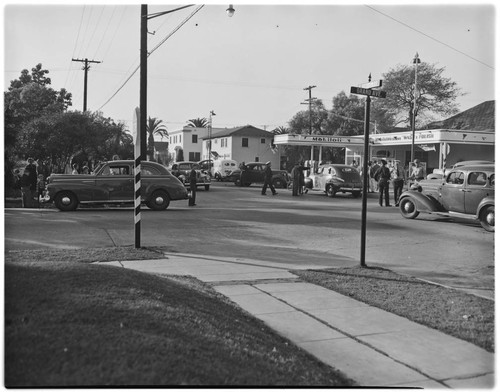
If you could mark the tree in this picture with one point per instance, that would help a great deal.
(436, 94)
(154, 127)
(198, 123)
(300, 123)
(281, 130)
(59, 137)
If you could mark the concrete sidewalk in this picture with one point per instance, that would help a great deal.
(373, 347)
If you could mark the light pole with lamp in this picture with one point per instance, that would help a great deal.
(416, 61)
(212, 113)
(143, 108)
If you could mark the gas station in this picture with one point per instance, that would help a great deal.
(436, 148)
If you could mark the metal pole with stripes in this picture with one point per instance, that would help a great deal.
(137, 179)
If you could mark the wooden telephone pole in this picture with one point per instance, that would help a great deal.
(86, 68)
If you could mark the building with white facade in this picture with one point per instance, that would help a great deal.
(243, 144)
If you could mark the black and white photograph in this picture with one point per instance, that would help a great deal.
(249, 195)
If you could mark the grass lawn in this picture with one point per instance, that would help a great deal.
(71, 323)
(453, 312)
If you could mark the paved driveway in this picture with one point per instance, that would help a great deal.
(312, 229)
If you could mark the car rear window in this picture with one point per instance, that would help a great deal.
(150, 171)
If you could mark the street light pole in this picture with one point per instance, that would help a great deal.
(416, 61)
(212, 113)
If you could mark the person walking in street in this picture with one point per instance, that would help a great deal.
(268, 177)
(383, 176)
(398, 176)
(192, 185)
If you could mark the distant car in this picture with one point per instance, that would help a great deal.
(113, 183)
(223, 168)
(207, 166)
(254, 174)
(182, 170)
(438, 173)
(466, 191)
(334, 178)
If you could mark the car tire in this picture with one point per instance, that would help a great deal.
(487, 218)
(356, 194)
(330, 190)
(159, 201)
(237, 182)
(207, 187)
(408, 208)
(66, 201)
(279, 183)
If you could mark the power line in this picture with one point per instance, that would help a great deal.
(428, 36)
(154, 49)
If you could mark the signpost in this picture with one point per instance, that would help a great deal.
(366, 89)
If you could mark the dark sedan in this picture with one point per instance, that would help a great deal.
(114, 183)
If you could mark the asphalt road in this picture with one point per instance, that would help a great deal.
(312, 229)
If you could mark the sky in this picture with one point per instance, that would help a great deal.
(251, 68)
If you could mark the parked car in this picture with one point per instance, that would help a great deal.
(207, 166)
(182, 169)
(438, 173)
(254, 174)
(334, 178)
(466, 191)
(113, 183)
(223, 168)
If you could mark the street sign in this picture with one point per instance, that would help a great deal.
(369, 92)
(374, 84)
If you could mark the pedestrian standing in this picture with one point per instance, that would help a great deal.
(193, 175)
(296, 179)
(418, 172)
(268, 177)
(398, 176)
(27, 193)
(373, 182)
(383, 176)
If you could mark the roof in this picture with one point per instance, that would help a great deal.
(247, 130)
(478, 118)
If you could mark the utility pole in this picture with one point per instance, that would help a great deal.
(309, 102)
(86, 68)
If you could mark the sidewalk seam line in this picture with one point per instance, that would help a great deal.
(353, 337)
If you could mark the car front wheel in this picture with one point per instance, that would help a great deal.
(487, 218)
(330, 190)
(279, 183)
(408, 208)
(159, 201)
(66, 201)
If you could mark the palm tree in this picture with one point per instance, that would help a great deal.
(280, 130)
(154, 127)
(198, 122)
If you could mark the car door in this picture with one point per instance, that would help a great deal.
(476, 189)
(116, 183)
(318, 178)
(453, 192)
(257, 174)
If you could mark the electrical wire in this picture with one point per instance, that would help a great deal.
(430, 37)
(154, 49)
(104, 35)
(74, 49)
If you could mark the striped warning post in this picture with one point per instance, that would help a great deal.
(137, 194)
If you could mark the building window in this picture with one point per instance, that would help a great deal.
(194, 156)
(244, 142)
(194, 139)
(256, 159)
(180, 138)
(263, 141)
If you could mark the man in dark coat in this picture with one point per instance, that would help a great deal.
(268, 178)
(31, 167)
(192, 185)
(383, 176)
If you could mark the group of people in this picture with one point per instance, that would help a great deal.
(380, 177)
(31, 183)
